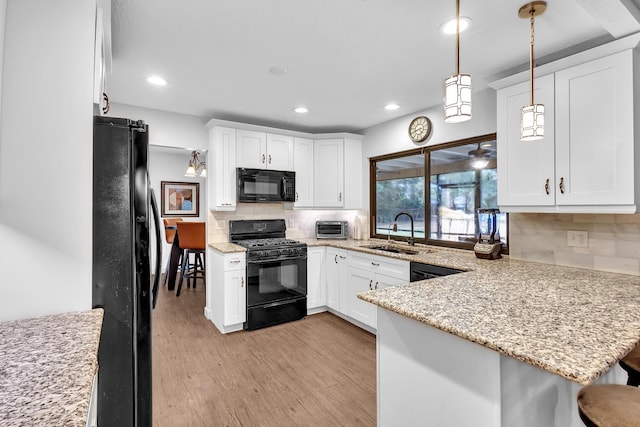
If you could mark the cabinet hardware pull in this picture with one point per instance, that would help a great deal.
(242, 282)
(263, 158)
(376, 287)
(335, 259)
(296, 196)
(546, 186)
(370, 283)
(562, 185)
(235, 261)
(340, 197)
(375, 264)
(269, 158)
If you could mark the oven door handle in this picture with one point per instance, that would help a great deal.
(266, 261)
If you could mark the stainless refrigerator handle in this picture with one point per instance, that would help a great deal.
(156, 222)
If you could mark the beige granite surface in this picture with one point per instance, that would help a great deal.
(47, 366)
(227, 248)
(573, 322)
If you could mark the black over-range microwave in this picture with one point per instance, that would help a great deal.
(263, 185)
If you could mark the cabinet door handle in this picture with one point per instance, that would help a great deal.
(370, 283)
(235, 261)
(269, 158)
(335, 259)
(296, 196)
(242, 282)
(375, 264)
(340, 197)
(376, 287)
(561, 185)
(546, 186)
(263, 158)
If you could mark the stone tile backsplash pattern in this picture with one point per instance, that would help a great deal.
(614, 240)
(300, 223)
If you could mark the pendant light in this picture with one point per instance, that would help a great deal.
(457, 88)
(532, 115)
(479, 157)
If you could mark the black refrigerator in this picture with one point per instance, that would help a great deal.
(121, 276)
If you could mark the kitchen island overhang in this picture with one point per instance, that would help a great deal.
(530, 335)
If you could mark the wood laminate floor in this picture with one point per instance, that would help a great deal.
(319, 371)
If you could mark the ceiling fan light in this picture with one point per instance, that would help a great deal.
(479, 163)
(457, 98)
(532, 122)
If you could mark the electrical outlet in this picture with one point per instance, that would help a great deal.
(578, 239)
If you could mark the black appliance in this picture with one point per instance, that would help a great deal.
(276, 272)
(121, 282)
(262, 185)
(419, 271)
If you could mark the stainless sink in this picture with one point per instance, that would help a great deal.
(393, 249)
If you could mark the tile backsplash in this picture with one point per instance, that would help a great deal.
(613, 240)
(300, 223)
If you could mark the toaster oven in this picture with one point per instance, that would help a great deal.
(332, 229)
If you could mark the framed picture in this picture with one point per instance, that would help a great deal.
(180, 198)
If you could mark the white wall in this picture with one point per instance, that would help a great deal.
(170, 165)
(165, 128)
(46, 157)
(3, 22)
(392, 136)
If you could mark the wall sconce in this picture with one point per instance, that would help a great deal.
(532, 115)
(195, 165)
(457, 88)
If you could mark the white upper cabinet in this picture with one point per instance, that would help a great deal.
(259, 150)
(588, 161)
(594, 116)
(279, 152)
(222, 176)
(328, 173)
(526, 172)
(303, 166)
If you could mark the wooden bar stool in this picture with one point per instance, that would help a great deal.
(192, 240)
(631, 364)
(170, 230)
(609, 405)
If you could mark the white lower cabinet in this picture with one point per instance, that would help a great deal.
(336, 277)
(226, 290)
(369, 272)
(316, 284)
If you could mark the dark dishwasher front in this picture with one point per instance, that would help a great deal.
(420, 271)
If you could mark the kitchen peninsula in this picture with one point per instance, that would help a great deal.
(510, 343)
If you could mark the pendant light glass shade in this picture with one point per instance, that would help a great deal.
(457, 98)
(457, 88)
(532, 115)
(532, 122)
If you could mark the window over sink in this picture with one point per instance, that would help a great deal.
(440, 187)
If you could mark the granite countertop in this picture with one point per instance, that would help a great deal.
(573, 322)
(47, 367)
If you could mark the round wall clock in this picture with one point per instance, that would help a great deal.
(419, 129)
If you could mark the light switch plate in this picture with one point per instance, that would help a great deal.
(578, 239)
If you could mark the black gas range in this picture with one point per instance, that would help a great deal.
(276, 272)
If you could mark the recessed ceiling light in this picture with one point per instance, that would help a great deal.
(391, 107)
(449, 27)
(278, 71)
(156, 80)
(301, 110)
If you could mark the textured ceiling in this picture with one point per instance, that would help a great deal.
(345, 59)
